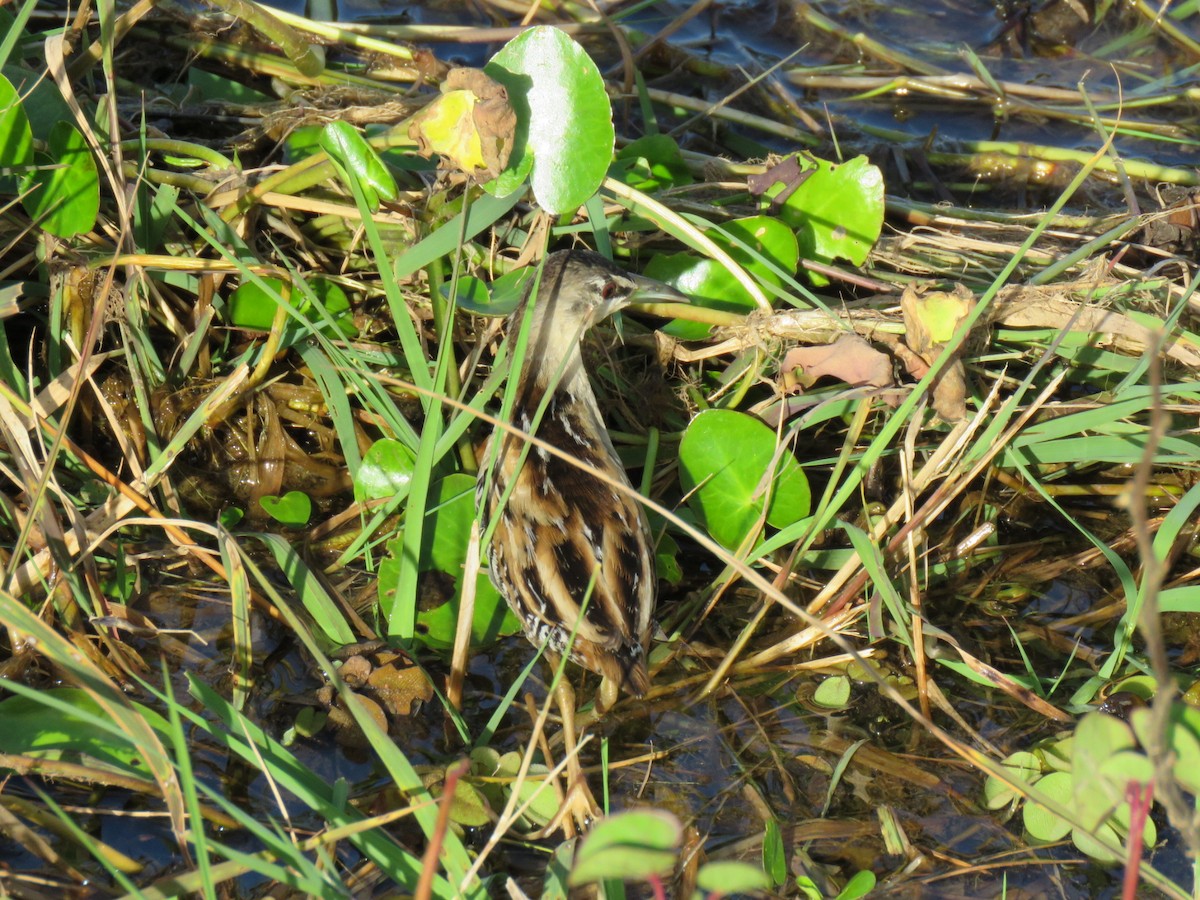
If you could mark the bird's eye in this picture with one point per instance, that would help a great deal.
(607, 291)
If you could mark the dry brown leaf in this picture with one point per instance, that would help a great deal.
(471, 125)
(850, 359)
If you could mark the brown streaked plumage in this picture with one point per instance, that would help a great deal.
(571, 554)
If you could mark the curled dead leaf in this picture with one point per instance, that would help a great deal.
(471, 126)
(930, 322)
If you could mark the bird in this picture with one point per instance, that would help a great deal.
(570, 552)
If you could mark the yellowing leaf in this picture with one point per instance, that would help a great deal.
(471, 125)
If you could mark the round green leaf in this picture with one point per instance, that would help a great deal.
(1042, 824)
(565, 137)
(726, 461)
(1023, 767)
(833, 692)
(292, 509)
(469, 808)
(651, 162)
(386, 471)
(1089, 842)
(635, 844)
(837, 210)
(253, 305)
(64, 192)
(473, 294)
(860, 885)
(16, 137)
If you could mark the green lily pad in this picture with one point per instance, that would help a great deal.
(833, 692)
(564, 138)
(837, 210)
(1024, 767)
(253, 305)
(725, 461)
(650, 163)
(386, 471)
(1042, 824)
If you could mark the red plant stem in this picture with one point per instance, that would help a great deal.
(1139, 797)
(429, 862)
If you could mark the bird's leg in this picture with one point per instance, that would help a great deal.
(579, 808)
(606, 697)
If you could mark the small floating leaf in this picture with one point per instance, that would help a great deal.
(837, 210)
(635, 844)
(292, 509)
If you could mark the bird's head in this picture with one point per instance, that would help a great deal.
(579, 288)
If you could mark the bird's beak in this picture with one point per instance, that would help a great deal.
(655, 297)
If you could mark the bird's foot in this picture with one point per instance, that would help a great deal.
(579, 810)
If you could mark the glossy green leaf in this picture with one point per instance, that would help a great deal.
(726, 463)
(837, 210)
(472, 294)
(64, 191)
(709, 284)
(32, 728)
(345, 144)
(293, 509)
(629, 845)
(253, 305)
(508, 289)
(650, 163)
(386, 471)
(16, 137)
(860, 885)
(1098, 739)
(564, 140)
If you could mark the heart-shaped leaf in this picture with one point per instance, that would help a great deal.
(728, 465)
(292, 509)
